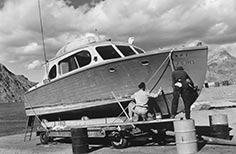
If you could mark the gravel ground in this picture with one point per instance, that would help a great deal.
(14, 144)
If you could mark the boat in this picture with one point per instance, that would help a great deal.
(95, 76)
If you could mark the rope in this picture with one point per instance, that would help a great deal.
(167, 58)
(170, 61)
(160, 77)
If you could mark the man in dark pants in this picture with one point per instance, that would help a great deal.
(182, 85)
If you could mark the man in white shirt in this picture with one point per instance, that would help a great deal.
(141, 98)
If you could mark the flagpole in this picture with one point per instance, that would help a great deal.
(42, 32)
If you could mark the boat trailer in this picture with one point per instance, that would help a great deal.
(119, 134)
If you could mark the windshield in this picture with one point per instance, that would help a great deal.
(107, 52)
(125, 50)
(138, 50)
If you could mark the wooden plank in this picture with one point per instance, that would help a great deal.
(97, 130)
(214, 140)
(158, 121)
(89, 122)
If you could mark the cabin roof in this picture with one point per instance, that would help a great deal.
(81, 43)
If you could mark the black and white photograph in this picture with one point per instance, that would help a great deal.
(117, 76)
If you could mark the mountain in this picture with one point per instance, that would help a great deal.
(221, 67)
(12, 87)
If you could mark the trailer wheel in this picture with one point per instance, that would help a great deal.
(44, 138)
(160, 138)
(118, 141)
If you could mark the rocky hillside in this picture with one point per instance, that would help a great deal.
(221, 67)
(12, 87)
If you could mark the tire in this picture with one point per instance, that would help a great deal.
(160, 138)
(44, 138)
(118, 141)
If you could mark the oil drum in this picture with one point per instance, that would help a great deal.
(219, 126)
(80, 142)
(185, 136)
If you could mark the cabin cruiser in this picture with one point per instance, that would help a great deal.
(89, 77)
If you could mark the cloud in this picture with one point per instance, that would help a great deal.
(31, 48)
(34, 64)
(153, 23)
(218, 29)
(165, 22)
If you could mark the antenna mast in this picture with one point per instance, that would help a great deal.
(41, 27)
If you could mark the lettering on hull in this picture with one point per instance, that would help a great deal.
(184, 62)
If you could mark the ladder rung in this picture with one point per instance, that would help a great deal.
(29, 128)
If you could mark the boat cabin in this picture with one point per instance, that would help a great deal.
(83, 54)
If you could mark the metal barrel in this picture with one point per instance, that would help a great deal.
(219, 126)
(185, 136)
(79, 138)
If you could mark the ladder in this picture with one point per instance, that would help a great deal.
(29, 128)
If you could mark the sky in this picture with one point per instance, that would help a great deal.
(154, 24)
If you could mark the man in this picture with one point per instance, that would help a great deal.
(141, 98)
(182, 85)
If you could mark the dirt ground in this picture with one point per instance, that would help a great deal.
(14, 144)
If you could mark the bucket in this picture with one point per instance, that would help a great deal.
(219, 126)
(185, 136)
(79, 138)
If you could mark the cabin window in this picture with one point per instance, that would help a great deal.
(126, 50)
(53, 72)
(83, 58)
(107, 52)
(67, 65)
(138, 50)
